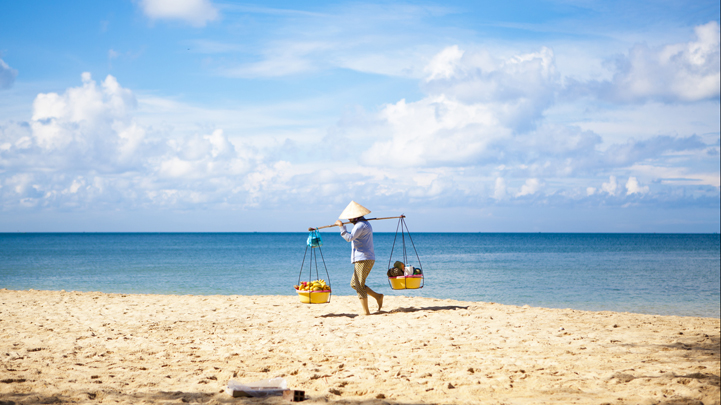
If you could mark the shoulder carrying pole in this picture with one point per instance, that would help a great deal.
(346, 223)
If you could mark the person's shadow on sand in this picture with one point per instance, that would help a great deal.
(399, 310)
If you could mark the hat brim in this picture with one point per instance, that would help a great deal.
(354, 210)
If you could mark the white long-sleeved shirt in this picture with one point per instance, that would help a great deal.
(361, 238)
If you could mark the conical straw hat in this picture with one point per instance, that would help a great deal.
(354, 210)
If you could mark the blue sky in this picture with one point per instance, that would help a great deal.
(201, 115)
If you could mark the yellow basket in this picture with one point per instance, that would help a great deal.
(406, 282)
(314, 297)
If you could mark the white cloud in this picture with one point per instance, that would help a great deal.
(632, 187)
(221, 147)
(266, 181)
(425, 179)
(94, 128)
(611, 187)
(436, 188)
(7, 75)
(676, 72)
(83, 118)
(531, 187)
(75, 186)
(84, 147)
(434, 131)
(518, 87)
(130, 139)
(195, 12)
(501, 127)
(680, 175)
(475, 103)
(176, 167)
(202, 157)
(445, 64)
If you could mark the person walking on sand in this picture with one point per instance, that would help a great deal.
(362, 255)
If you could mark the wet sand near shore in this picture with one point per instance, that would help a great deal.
(87, 348)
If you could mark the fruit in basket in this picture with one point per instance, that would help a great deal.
(317, 285)
(394, 272)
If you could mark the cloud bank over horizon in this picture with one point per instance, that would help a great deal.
(485, 131)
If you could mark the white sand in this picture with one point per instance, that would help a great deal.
(58, 347)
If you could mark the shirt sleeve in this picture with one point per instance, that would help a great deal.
(344, 233)
(355, 233)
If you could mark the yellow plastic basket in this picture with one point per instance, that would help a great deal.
(406, 282)
(314, 297)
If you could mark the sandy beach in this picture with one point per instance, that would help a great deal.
(73, 347)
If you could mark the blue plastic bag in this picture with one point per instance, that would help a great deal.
(314, 239)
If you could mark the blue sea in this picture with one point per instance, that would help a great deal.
(665, 274)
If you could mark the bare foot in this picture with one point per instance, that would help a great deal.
(380, 302)
(364, 305)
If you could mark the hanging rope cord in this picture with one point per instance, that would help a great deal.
(401, 224)
(300, 274)
(316, 267)
(313, 257)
